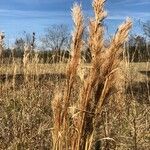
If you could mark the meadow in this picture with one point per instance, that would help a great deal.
(73, 105)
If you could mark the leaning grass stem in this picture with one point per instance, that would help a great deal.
(71, 73)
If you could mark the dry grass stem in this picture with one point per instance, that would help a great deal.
(64, 126)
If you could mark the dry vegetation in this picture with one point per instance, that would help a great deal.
(74, 106)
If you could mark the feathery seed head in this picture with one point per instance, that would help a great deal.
(77, 14)
(100, 13)
(77, 34)
(122, 32)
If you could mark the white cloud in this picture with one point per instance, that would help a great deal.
(142, 3)
(134, 2)
(40, 1)
(134, 15)
(32, 14)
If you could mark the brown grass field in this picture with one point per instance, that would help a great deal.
(104, 105)
(26, 113)
(138, 72)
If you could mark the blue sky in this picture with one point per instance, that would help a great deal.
(17, 16)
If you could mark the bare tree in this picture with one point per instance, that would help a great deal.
(19, 43)
(56, 38)
(146, 28)
(29, 39)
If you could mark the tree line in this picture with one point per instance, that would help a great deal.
(55, 44)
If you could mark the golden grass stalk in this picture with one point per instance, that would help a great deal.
(26, 55)
(26, 61)
(99, 84)
(96, 40)
(76, 45)
(61, 124)
(57, 126)
(111, 59)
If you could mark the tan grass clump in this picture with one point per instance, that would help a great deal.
(98, 86)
